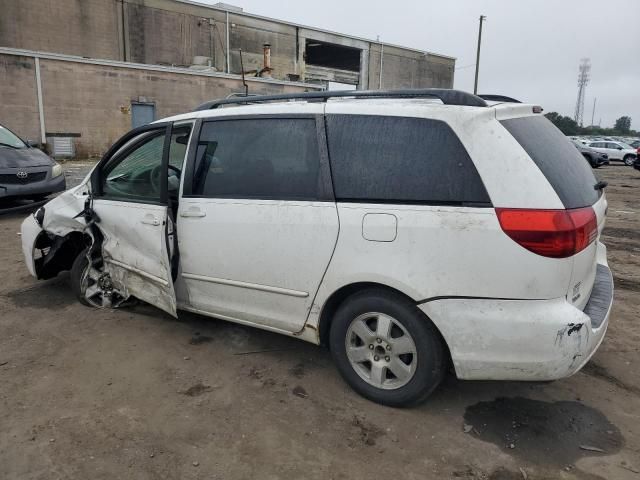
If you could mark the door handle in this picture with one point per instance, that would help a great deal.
(193, 212)
(150, 220)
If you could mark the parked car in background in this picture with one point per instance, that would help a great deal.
(595, 158)
(25, 171)
(389, 230)
(636, 164)
(635, 144)
(616, 151)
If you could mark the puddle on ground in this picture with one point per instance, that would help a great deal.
(543, 432)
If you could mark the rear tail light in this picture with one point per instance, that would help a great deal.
(550, 233)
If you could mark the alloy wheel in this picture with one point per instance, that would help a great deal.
(381, 350)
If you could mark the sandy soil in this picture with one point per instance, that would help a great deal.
(134, 393)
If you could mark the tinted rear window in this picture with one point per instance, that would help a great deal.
(403, 160)
(565, 168)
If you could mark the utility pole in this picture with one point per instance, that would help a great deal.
(475, 85)
(584, 75)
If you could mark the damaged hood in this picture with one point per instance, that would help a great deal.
(23, 157)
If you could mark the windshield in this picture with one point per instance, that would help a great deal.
(9, 139)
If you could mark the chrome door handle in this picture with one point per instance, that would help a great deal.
(192, 212)
(150, 220)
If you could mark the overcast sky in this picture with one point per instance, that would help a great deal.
(530, 48)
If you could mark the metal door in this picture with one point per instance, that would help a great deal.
(142, 114)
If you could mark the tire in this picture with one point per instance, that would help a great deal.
(629, 159)
(78, 270)
(419, 373)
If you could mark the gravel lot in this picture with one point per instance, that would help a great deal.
(134, 393)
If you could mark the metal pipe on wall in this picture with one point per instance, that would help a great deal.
(228, 49)
(43, 137)
(381, 57)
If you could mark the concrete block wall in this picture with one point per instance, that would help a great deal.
(94, 100)
(407, 69)
(75, 27)
(18, 98)
(166, 32)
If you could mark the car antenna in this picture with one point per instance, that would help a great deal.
(244, 82)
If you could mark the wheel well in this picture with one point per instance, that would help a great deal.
(332, 304)
(58, 253)
(335, 300)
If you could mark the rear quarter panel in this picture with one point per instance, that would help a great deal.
(440, 251)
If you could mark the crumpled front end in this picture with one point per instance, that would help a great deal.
(54, 235)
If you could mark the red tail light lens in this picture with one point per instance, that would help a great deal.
(550, 233)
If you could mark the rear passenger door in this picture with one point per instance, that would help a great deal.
(257, 223)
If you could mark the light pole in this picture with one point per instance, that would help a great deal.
(475, 84)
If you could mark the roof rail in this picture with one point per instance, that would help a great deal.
(499, 98)
(447, 96)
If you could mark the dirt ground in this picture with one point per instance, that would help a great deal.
(133, 393)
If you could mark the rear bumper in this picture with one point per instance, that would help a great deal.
(523, 339)
(46, 186)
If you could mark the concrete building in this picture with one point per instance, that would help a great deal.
(92, 69)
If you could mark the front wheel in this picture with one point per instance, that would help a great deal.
(628, 160)
(91, 285)
(386, 349)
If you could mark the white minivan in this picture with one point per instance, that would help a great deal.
(408, 231)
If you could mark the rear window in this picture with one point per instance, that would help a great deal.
(560, 162)
(401, 160)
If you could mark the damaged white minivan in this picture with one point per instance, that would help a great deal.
(408, 231)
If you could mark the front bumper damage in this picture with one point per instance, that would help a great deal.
(53, 236)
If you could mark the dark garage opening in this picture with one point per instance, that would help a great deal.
(329, 55)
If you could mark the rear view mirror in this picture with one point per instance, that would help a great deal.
(32, 143)
(182, 139)
(619, 148)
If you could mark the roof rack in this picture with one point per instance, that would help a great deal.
(447, 96)
(499, 98)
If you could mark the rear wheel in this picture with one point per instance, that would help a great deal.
(629, 159)
(386, 348)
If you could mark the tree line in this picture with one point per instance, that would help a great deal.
(569, 126)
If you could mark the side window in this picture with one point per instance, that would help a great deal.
(275, 158)
(178, 147)
(177, 152)
(136, 175)
(399, 159)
